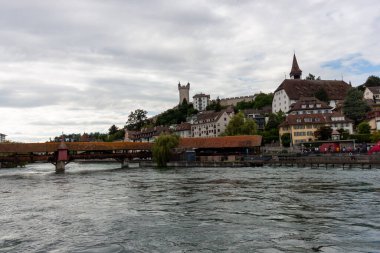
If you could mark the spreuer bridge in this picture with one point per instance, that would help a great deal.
(62, 153)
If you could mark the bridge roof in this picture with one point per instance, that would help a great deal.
(242, 141)
(74, 146)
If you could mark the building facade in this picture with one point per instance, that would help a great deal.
(372, 93)
(201, 101)
(211, 124)
(183, 130)
(302, 127)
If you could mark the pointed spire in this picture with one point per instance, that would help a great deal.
(295, 72)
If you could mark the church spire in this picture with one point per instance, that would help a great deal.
(295, 72)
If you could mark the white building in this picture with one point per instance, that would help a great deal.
(2, 137)
(211, 124)
(372, 93)
(338, 121)
(201, 101)
(291, 90)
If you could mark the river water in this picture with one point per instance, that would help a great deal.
(101, 208)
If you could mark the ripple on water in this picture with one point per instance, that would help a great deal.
(100, 208)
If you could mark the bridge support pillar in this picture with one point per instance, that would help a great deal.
(62, 157)
(60, 167)
(125, 163)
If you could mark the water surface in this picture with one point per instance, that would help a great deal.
(100, 208)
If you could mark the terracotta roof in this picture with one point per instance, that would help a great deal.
(241, 141)
(296, 88)
(309, 103)
(295, 71)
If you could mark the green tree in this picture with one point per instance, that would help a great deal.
(215, 106)
(136, 119)
(312, 77)
(163, 147)
(375, 137)
(364, 128)
(261, 100)
(176, 115)
(239, 125)
(372, 81)
(274, 120)
(322, 95)
(286, 139)
(354, 107)
(323, 133)
(112, 130)
(344, 134)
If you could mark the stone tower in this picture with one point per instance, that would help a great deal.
(183, 92)
(295, 72)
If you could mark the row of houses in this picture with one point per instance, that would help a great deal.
(204, 124)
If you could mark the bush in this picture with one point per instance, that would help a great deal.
(361, 137)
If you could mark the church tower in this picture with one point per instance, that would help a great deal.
(183, 92)
(295, 72)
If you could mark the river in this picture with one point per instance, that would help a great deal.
(101, 208)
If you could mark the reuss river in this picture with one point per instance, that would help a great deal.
(100, 208)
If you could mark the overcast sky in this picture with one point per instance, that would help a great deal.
(81, 66)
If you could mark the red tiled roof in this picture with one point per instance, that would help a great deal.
(241, 141)
(296, 88)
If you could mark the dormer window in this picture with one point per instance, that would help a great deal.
(311, 106)
(318, 105)
(303, 106)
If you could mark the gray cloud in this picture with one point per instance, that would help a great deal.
(81, 65)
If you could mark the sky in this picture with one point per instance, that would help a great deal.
(81, 66)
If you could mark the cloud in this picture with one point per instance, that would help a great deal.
(85, 65)
(353, 63)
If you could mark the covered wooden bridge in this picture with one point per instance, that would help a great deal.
(54, 151)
